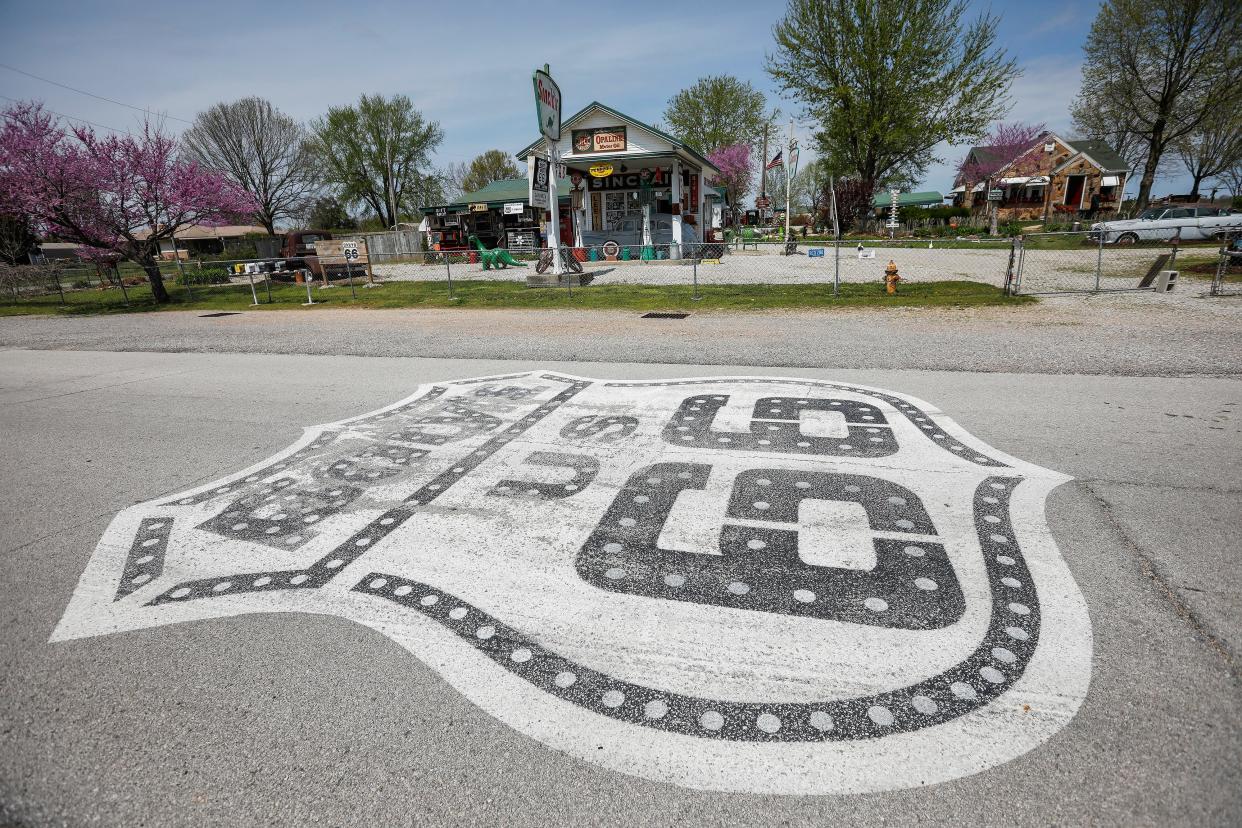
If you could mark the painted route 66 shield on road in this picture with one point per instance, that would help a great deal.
(747, 584)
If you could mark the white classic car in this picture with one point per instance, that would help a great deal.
(1163, 223)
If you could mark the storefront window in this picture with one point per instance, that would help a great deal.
(614, 210)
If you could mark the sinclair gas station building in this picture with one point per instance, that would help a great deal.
(612, 162)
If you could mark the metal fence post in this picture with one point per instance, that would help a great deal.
(1009, 274)
(695, 295)
(349, 274)
(1099, 260)
(836, 268)
(1017, 274)
(253, 294)
(448, 269)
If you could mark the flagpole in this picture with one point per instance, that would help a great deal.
(836, 239)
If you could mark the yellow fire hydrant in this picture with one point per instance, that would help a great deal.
(891, 278)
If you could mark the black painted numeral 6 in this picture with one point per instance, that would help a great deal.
(912, 585)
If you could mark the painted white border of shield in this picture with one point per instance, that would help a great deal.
(1036, 707)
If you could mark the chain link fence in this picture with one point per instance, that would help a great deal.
(1227, 277)
(1080, 262)
(1036, 263)
(738, 263)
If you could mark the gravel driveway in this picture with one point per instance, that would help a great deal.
(1043, 270)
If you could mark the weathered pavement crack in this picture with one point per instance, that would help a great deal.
(1153, 572)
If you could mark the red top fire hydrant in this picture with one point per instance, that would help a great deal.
(891, 278)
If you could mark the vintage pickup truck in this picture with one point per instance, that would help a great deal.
(1163, 223)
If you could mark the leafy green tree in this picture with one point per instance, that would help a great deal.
(1155, 71)
(888, 80)
(377, 154)
(810, 188)
(493, 165)
(718, 111)
(328, 213)
(17, 240)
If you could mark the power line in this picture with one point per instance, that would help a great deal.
(71, 118)
(88, 94)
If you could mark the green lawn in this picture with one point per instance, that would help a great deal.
(505, 294)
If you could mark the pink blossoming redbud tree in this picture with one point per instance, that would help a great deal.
(735, 173)
(119, 193)
(1008, 146)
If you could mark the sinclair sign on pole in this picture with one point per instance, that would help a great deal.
(547, 104)
(548, 110)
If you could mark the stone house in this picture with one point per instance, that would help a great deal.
(1054, 178)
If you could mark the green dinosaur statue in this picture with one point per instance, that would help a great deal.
(498, 258)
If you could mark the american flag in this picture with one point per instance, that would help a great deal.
(775, 162)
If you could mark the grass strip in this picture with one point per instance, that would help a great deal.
(481, 294)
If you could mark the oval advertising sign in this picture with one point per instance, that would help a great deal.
(601, 170)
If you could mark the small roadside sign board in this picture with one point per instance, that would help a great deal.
(547, 105)
(538, 177)
(995, 195)
(514, 208)
(342, 251)
(763, 202)
(815, 252)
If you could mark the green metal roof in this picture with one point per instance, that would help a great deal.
(921, 199)
(497, 193)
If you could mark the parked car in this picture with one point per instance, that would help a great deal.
(1163, 223)
(630, 232)
(298, 251)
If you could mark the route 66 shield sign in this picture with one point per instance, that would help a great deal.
(751, 584)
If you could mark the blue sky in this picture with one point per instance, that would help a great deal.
(466, 66)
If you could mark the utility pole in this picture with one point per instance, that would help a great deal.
(788, 156)
(392, 200)
(763, 172)
(992, 211)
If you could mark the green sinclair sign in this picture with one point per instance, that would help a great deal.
(547, 104)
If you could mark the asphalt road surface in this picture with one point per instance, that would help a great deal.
(125, 701)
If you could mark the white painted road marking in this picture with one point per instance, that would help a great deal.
(694, 581)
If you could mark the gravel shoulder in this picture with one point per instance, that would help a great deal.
(1133, 334)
